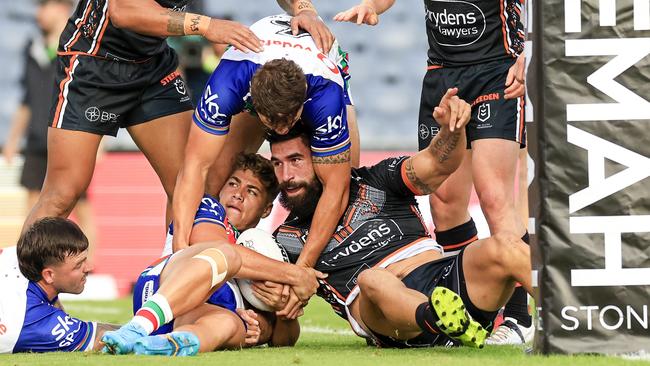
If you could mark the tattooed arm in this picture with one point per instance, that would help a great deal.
(149, 18)
(430, 167)
(334, 173)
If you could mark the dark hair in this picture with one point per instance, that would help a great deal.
(297, 131)
(47, 242)
(279, 89)
(262, 169)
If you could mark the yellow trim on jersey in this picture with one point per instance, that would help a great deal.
(321, 150)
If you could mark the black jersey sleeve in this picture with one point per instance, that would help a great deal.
(387, 175)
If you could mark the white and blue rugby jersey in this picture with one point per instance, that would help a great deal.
(210, 211)
(228, 90)
(29, 322)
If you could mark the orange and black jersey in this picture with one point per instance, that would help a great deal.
(468, 32)
(90, 31)
(382, 220)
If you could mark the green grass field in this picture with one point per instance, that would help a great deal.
(325, 340)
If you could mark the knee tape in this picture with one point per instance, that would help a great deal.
(218, 263)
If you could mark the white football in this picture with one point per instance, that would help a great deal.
(265, 244)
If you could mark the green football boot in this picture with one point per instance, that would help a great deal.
(454, 320)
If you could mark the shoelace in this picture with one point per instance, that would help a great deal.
(507, 327)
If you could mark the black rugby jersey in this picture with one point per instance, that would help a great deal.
(90, 31)
(382, 217)
(466, 32)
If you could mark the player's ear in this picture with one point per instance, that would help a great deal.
(267, 210)
(48, 275)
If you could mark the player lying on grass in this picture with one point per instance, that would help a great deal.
(386, 276)
(49, 259)
(178, 317)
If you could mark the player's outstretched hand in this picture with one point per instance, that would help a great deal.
(275, 295)
(229, 32)
(360, 14)
(452, 111)
(252, 326)
(309, 21)
(516, 79)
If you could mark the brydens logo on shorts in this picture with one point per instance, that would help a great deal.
(455, 23)
(94, 114)
(424, 131)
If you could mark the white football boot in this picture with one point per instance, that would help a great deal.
(511, 333)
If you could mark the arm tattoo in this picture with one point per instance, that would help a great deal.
(413, 178)
(175, 22)
(305, 5)
(444, 144)
(343, 157)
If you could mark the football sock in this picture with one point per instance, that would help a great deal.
(517, 308)
(425, 318)
(153, 313)
(457, 237)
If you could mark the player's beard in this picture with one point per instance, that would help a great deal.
(304, 204)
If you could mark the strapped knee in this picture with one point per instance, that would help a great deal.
(218, 264)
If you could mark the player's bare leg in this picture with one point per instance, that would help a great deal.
(83, 211)
(450, 201)
(521, 201)
(214, 328)
(494, 167)
(187, 281)
(386, 305)
(246, 135)
(454, 227)
(494, 163)
(70, 165)
(162, 141)
(32, 198)
(493, 266)
(202, 321)
(353, 127)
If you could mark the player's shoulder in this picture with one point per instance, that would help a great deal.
(293, 227)
(47, 328)
(210, 209)
(382, 168)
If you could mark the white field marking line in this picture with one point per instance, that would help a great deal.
(92, 309)
(115, 311)
(325, 330)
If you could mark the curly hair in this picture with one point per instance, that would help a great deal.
(278, 90)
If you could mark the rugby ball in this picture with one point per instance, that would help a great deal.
(265, 244)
